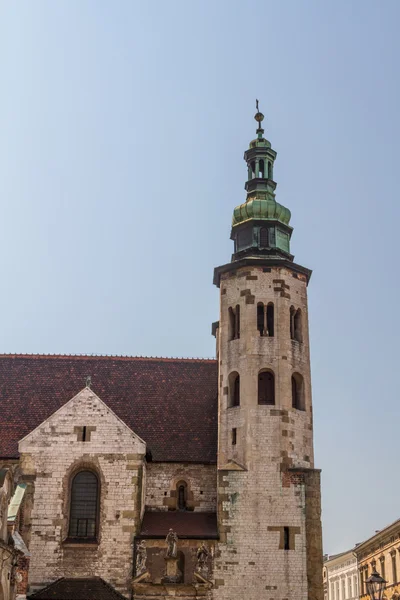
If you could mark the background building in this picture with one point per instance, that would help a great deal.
(341, 577)
(381, 552)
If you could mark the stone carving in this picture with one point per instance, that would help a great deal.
(141, 558)
(172, 544)
(202, 557)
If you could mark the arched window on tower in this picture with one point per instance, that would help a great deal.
(234, 389)
(298, 400)
(84, 506)
(265, 319)
(234, 323)
(298, 333)
(264, 237)
(253, 169)
(296, 324)
(266, 387)
(261, 169)
(270, 319)
(260, 318)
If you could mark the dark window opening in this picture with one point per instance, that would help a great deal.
(182, 496)
(84, 434)
(84, 506)
(286, 538)
(236, 392)
(298, 392)
(270, 320)
(234, 436)
(292, 313)
(265, 319)
(261, 169)
(266, 388)
(264, 237)
(253, 169)
(234, 323)
(260, 318)
(296, 325)
(237, 329)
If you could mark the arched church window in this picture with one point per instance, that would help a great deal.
(266, 387)
(181, 492)
(298, 401)
(253, 169)
(83, 521)
(261, 169)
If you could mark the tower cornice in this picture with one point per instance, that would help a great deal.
(262, 261)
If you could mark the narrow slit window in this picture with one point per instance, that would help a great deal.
(237, 320)
(234, 389)
(234, 436)
(260, 318)
(261, 169)
(292, 313)
(286, 538)
(270, 320)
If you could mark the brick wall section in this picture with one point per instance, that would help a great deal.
(161, 480)
(255, 504)
(314, 534)
(50, 455)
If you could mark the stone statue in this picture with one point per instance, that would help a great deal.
(172, 544)
(202, 557)
(141, 557)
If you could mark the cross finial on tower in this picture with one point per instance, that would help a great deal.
(259, 117)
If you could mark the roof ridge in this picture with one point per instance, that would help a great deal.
(107, 356)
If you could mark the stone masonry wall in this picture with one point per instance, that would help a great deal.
(262, 504)
(162, 479)
(50, 456)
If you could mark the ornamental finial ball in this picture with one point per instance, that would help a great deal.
(259, 117)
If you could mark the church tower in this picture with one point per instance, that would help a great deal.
(268, 489)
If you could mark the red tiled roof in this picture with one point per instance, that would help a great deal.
(93, 588)
(185, 524)
(170, 403)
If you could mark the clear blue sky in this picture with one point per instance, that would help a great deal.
(123, 126)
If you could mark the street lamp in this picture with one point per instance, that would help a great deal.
(375, 586)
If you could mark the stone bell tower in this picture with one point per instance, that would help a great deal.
(268, 490)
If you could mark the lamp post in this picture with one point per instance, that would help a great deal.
(375, 586)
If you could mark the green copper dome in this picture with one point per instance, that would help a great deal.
(261, 208)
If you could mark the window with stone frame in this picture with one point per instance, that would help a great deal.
(84, 506)
(394, 567)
